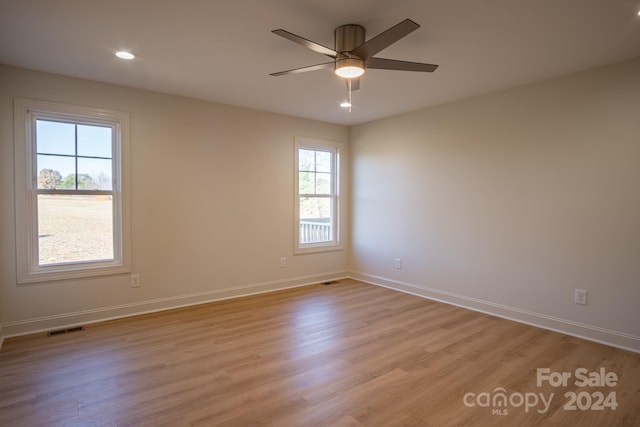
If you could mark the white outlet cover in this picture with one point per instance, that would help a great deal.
(135, 280)
(580, 296)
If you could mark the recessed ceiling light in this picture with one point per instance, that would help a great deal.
(345, 104)
(123, 54)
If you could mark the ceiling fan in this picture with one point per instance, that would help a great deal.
(351, 54)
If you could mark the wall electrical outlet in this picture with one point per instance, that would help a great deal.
(135, 280)
(580, 296)
(283, 262)
(399, 263)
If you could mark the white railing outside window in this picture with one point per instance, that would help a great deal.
(315, 230)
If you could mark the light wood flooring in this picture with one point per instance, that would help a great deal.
(346, 354)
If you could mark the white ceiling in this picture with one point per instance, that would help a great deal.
(223, 51)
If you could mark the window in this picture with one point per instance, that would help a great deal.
(70, 194)
(317, 200)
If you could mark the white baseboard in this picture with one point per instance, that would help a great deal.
(568, 327)
(67, 320)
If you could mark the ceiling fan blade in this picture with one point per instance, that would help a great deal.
(355, 83)
(306, 43)
(392, 64)
(304, 69)
(369, 48)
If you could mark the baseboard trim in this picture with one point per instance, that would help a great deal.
(592, 333)
(68, 320)
(580, 330)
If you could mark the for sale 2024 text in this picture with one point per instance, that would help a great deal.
(582, 377)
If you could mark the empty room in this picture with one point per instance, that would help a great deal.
(302, 213)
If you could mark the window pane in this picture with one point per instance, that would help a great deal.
(306, 184)
(74, 229)
(306, 160)
(315, 220)
(315, 208)
(323, 183)
(56, 172)
(94, 141)
(323, 161)
(94, 174)
(55, 137)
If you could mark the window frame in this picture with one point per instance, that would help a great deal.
(336, 150)
(26, 113)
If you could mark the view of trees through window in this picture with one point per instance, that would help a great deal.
(74, 197)
(316, 195)
(50, 179)
(73, 156)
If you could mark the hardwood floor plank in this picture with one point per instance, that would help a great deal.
(346, 354)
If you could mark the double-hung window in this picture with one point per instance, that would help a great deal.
(317, 195)
(71, 197)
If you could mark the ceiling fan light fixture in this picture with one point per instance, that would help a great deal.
(349, 68)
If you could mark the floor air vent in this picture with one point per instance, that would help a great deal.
(65, 331)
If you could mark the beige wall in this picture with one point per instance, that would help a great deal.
(508, 202)
(211, 203)
(503, 203)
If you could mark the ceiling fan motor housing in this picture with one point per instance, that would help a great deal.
(348, 37)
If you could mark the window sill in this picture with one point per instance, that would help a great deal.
(74, 273)
(317, 248)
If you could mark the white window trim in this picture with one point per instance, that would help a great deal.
(28, 268)
(336, 243)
